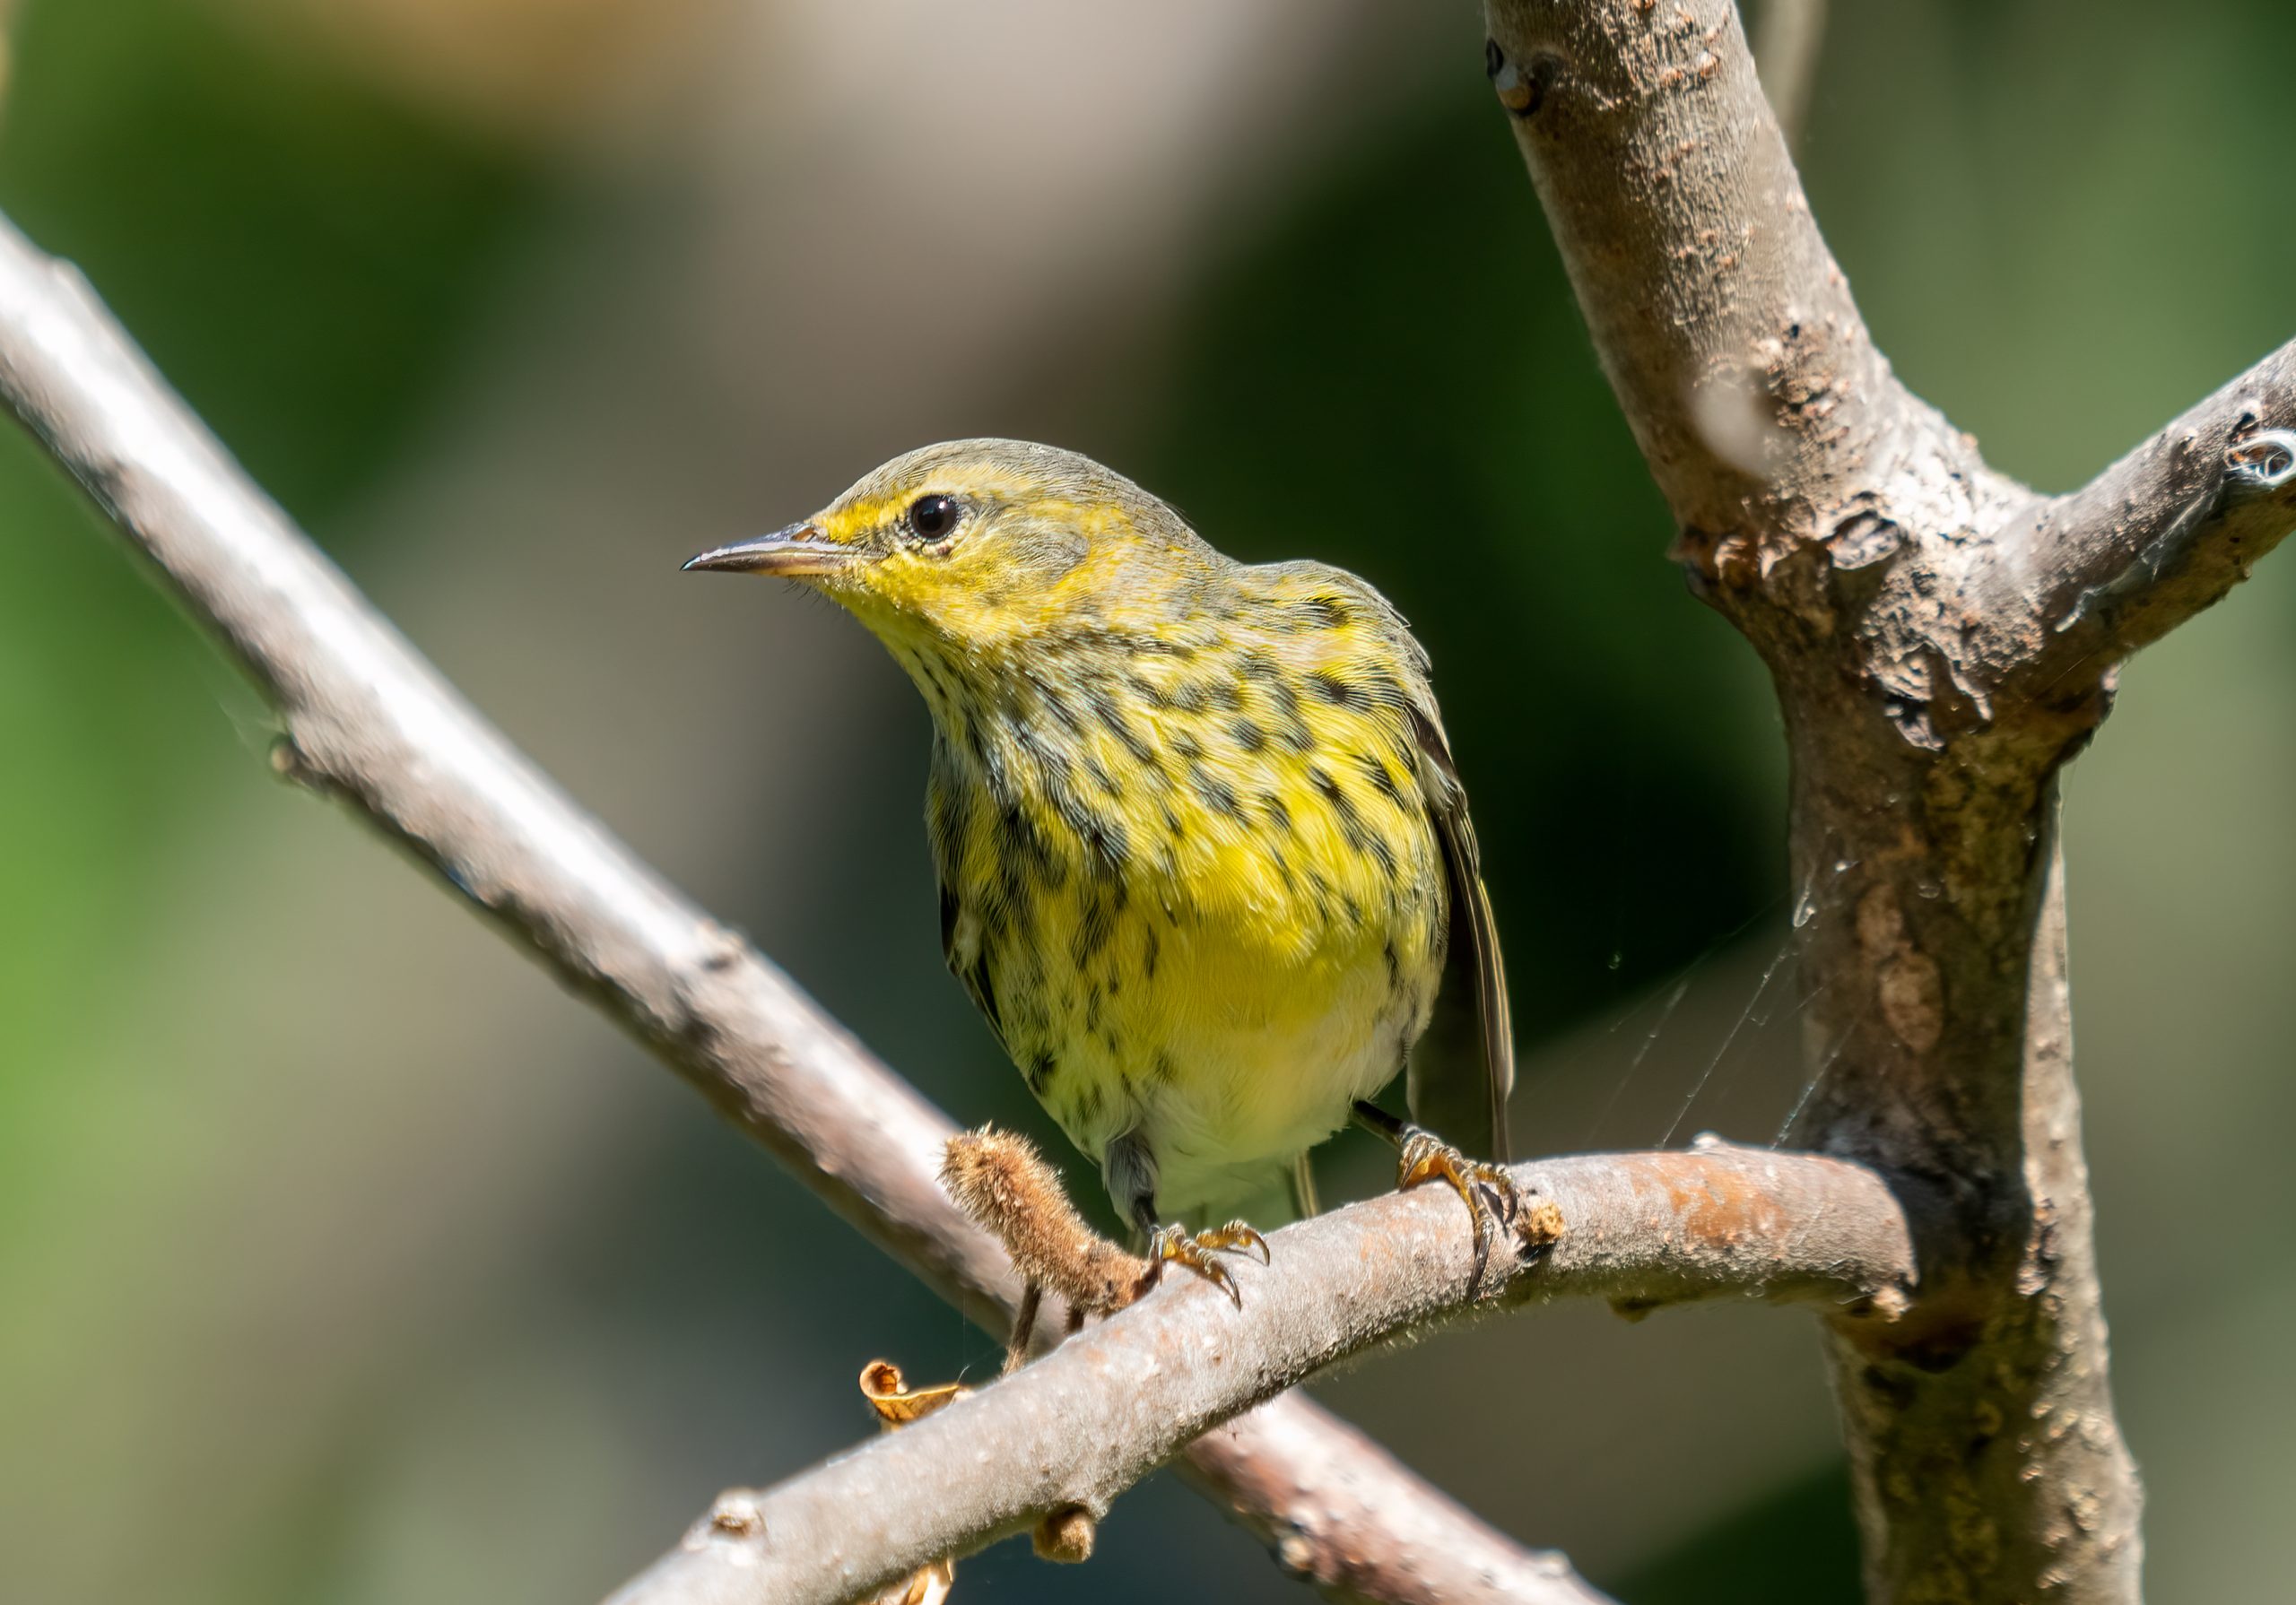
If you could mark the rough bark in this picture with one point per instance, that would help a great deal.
(1941, 641)
(1079, 1426)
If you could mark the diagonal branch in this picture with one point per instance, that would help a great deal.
(1081, 1424)
(367, 719)
(2159, 536)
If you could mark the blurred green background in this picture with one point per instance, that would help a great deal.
(342, 1258)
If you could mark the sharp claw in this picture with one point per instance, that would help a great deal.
(1236, 1238)
(1487, 1190)
(1171, 1243)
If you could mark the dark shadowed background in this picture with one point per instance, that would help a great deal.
(342, 1258)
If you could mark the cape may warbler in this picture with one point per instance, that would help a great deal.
(1204, 853)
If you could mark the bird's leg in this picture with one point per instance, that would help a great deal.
(1487, 1190)
(1131, 1171)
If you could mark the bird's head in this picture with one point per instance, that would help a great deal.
(975, 544)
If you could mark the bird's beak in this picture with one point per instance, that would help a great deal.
(790, 553)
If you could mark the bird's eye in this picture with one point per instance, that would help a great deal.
(933, 516)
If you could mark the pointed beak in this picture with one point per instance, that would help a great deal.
(791, 554)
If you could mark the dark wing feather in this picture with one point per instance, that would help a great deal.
(967, 962)
(947, 816)
(1456, 1092)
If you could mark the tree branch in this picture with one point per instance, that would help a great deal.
(2159, 536)
(1725, 325)
(367, 719)
(1084, 1423)
(1941, 641)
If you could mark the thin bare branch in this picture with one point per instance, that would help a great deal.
(1361, 1528)
(1083, 1424)
(1788, 38)
(367, 719)
(2159, 536)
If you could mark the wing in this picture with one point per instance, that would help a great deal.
(960, 947)
(1454, 1091)
(948, 817)
(1462, 1070)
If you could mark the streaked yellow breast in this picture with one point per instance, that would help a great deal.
(1189, 870)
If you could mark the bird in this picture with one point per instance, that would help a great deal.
(1205, 857)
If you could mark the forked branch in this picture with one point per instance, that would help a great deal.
(1941, 640)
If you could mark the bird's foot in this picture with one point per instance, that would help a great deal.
(1200, 1252)
(1487, 1190)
